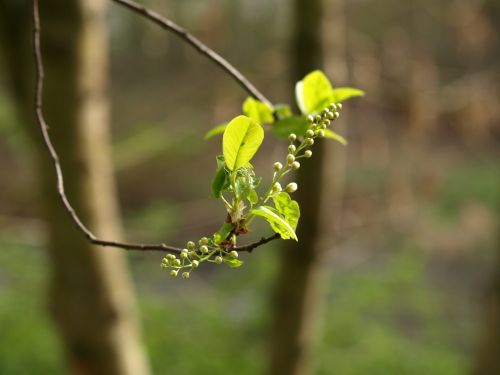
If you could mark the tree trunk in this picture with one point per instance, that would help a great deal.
(487, 361)
(91, 293)
(296, 290)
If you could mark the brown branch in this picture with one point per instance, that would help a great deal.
(57, 166)
(197, 44)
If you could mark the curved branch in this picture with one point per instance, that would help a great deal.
(57, 166)
(197, 44)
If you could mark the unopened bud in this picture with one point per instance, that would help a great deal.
(176, 263)
(278, 166)
(339, 106)
(291, 187)
(290, 158)
(321, 133)
(185, 275)
(292, 137)
(203, 241)
(234, 254)
(309, 133)
(308, 153)
(310, 119)
(218, 259)
(292, 148)
(276, 187)
(333, 107)
(204, 249)
(317, 118)
(309, 141)
(191, 245)
(295, 165)
(195, 263)
(174, 273)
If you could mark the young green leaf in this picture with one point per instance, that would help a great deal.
(219, 129)
(258, 111)
(341, 94)
(288, 208)
(221, 180)
(283, 111)
(332, 135)
(277, 222)
(282, 128)
(222, 233)
(313, 93)
(242, 138)
(233, 262)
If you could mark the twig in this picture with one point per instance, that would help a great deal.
(197, 44)
(59, 174)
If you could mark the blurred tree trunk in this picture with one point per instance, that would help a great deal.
(297, 294)
(91, 292)
(487, 357)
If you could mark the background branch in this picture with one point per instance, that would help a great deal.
(197, 44)
(55, 158)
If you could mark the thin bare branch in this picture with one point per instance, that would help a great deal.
(59, 174)
(197, 44)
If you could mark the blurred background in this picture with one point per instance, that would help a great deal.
(398, 269)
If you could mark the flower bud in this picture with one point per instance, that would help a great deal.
(291, 187)
(195, 263)
(290, 158)
(174, 273)
(184, 254)
(234, 254)
(309, 141)
(317, 118)
(191, 245)
(295, 165)
(330, 116)
(308, 153)
(185, 275)
(203, 241)
(309, 133)
(339, 106)
(292, 148)
(325, 123)
(292, 137)
(218, 259)
(277, 166)
(310, 119)
(192, 253)
(321, 133)
(336, 115)
(170, 256)
(333, 107)
(204, 249)
(176, 263)
(276, 187)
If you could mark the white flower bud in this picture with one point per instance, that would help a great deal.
(203, 241)
(218, 259)
(292, 137)
(276, 187)
(309, 133)
(277, 166)
(333, 107)
(339, 106)
(309, 141)
(310, 119)
(291, 187)
(317, 118)
(336, 115)
(292, 148)
(330, 116)
(295, 165)
(195, 263)
(192, 254)
(234, 254)
(290, 158)
(321, 133)
(174, 273)
(184, 254)
(170, 256)
(308, 153)
(191, 245)
(185, 275)
(176, 263)
(204, 249)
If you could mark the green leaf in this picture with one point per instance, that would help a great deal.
(313, 93)
(242, 138)
(288, 208)
(332, 135)
(219, 129)
(222, 233)
(277, 222)
(283, 111)
(221, 180)
(341, 94)
(282, 128)
(233, 262)
(253, 197)
(258, 110)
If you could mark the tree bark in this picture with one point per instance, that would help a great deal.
(296, 289)
(91, 294)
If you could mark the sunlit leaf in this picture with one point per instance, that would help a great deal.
(282, 128)
(313, 93)
(258, 110)
(219, 129)
(221, 179)
(277, 222)
(332, 135)
(242, 138)
(341, 94)
(233, 262)
(288, 208)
